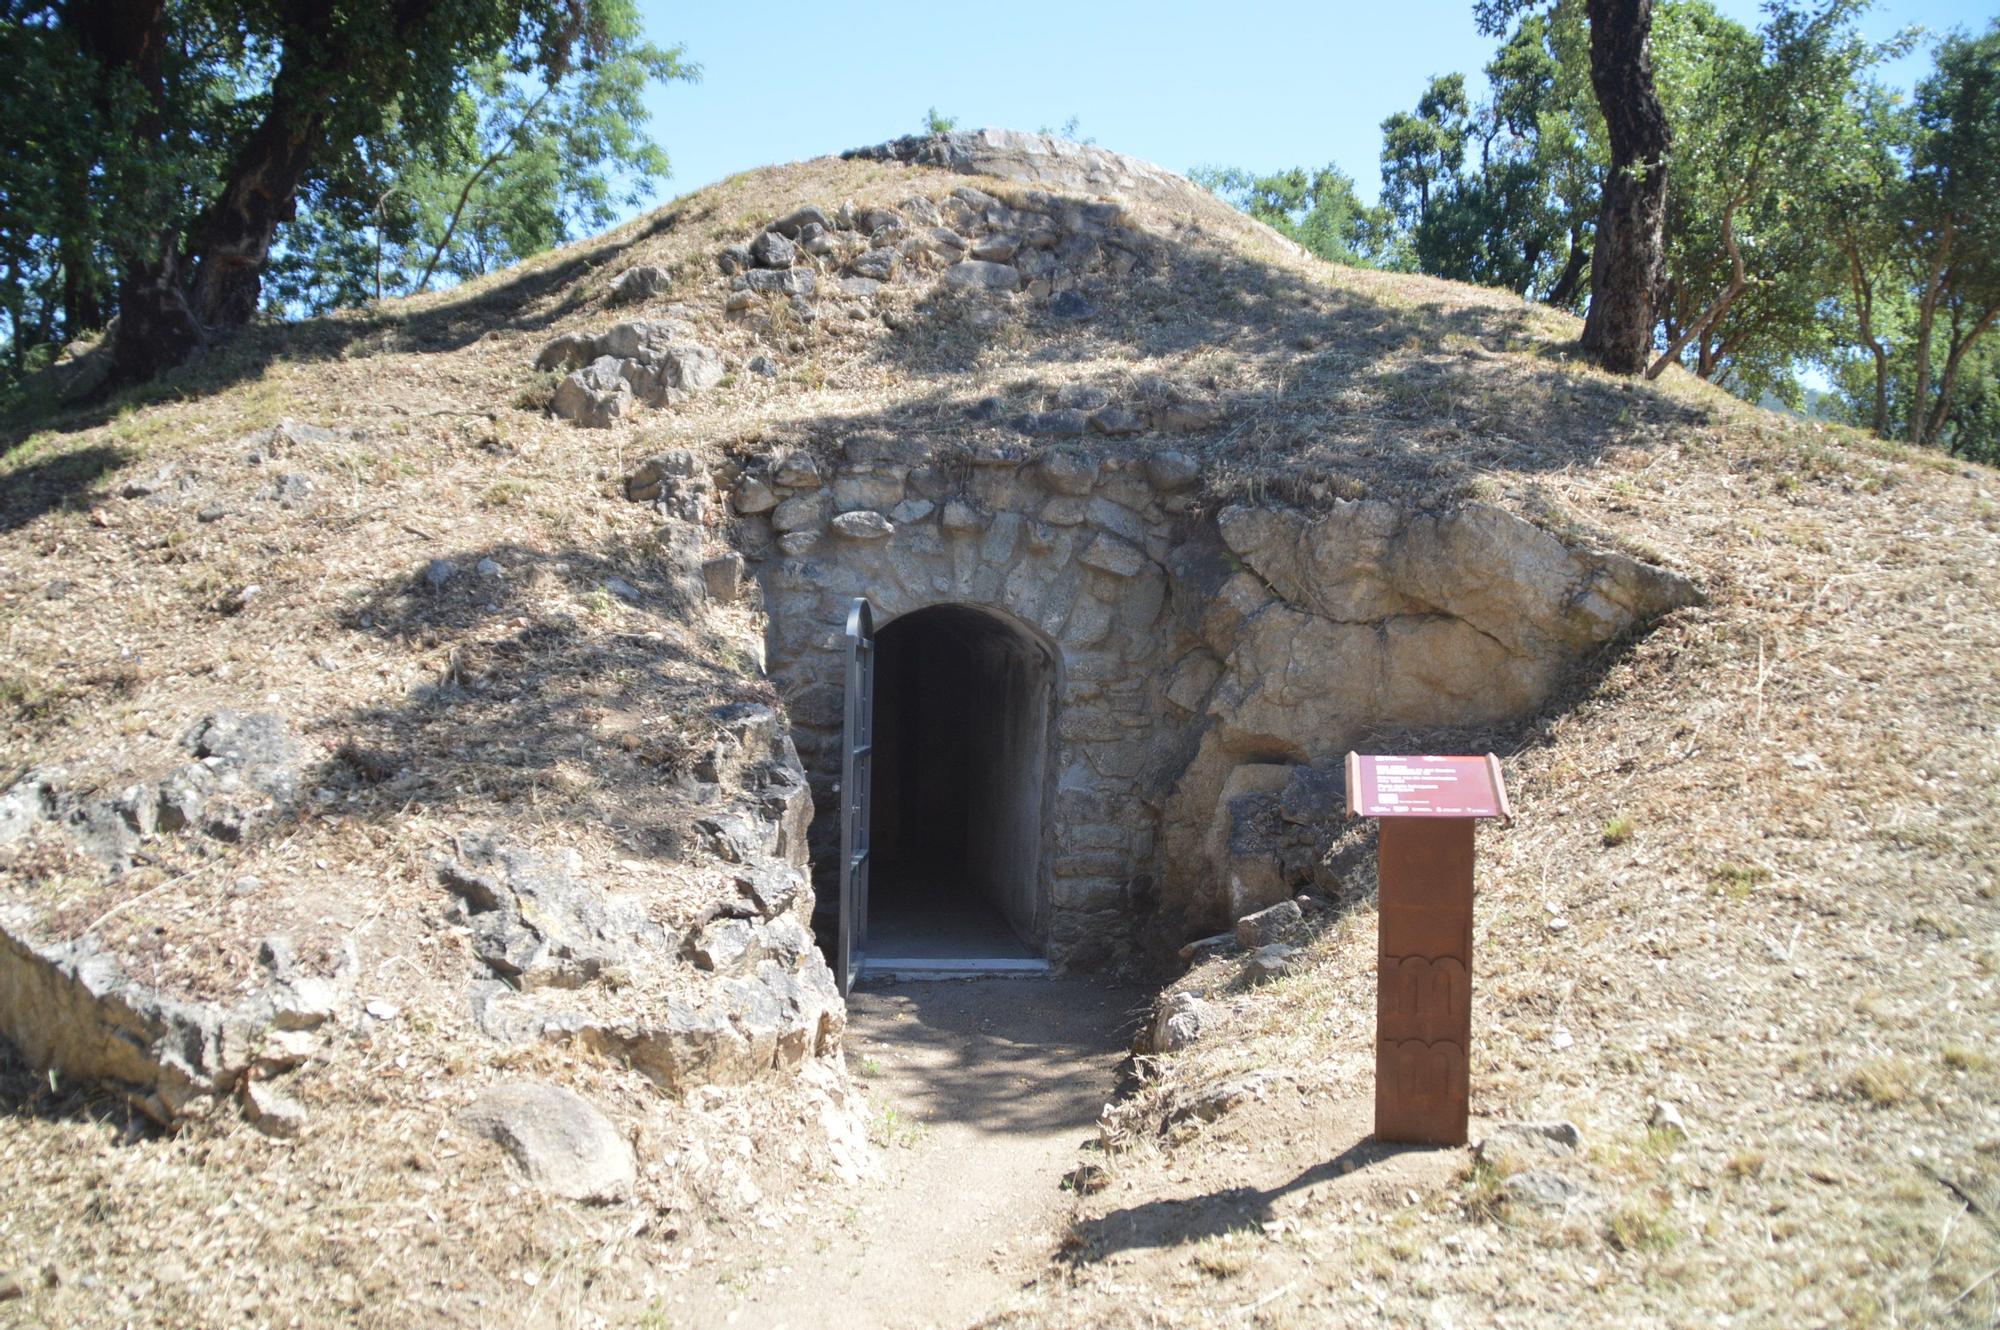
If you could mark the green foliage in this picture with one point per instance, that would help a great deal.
(1320, 211)
(935, 124)
(1071, 129)
(164, 148)
(1759, 118)
(527, 164)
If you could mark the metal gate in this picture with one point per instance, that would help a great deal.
(857, 772)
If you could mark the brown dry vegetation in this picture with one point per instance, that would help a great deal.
(1794, 939)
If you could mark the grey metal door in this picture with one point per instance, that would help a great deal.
(857, 770)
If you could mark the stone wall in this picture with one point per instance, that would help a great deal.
(1208, 666)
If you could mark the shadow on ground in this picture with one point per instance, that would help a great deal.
(515, 301)
(1000, 1055)
(1176, 1221)
(61, 481)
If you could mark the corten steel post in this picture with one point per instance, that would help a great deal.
(1423, 999)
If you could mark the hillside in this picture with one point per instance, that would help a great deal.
(503, 764)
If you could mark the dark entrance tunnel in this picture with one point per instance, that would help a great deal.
(962, 702)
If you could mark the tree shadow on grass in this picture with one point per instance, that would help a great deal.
(579, 680)
(521, 300)
(64, 481)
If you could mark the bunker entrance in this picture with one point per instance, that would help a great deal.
(962, 702)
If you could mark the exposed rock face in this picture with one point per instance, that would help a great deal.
(71, 1007)
(648, 362)
(1041, 159)
(1213, 673)
(548, 942)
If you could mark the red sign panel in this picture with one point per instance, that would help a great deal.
(1425, 787)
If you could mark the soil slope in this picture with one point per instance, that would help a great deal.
(1753, 873)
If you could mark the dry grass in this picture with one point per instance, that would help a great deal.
(1791, 938)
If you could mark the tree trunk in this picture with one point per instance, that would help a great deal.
(1627, 259)
(1927, 305)
(234, 238)
(1948, 382)
(156, 329)
(1563, 293)
(1738, 279)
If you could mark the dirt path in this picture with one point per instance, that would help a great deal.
(983, 1091)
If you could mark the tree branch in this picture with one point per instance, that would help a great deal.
(507, 145)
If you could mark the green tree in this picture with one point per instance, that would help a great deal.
(1951, 244)
(180, 137)
(1762, 121)
(1320, 210)
(1423, 152)
(526, 166)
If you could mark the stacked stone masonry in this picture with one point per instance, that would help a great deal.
(1211, 669)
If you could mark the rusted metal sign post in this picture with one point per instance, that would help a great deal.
(1423, 997)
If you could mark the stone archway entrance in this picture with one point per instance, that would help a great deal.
(959, 830)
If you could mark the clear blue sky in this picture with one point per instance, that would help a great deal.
(1265, 84)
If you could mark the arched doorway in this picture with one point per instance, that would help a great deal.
(960, 866)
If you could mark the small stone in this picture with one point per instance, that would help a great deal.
(1116, 421)
(911, 510)
(1540, 1190)
(1171, 470)
(622, 589)
(996, 248)
(247, 885)
(863, 525)
(211, 514)
(798, 471)
(796, 544)
(771, 250)
(1203, 947)
(754, 496)
(641, 283)
(980, 277)
(1064, 510)
(1557, 925)
(239, 600)
(1516, 1140)
(1068, 472)
(561, 1142)
(489, 569)
(1109, 554)
(1183, 1019)
(764, 366)
(861, 288)
(56, 590)
(1072, 307)
(438, 572)
(801, 512)
(382, 1009)
(880, 265)
(272, 1113)
(793, 223)
(960, 516)
(723, 576)
(1666, 1117)
(1267, 925)
(1271, 962)
(1562, 1038)
(734, 259)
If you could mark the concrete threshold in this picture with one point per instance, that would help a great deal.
(890, 969)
